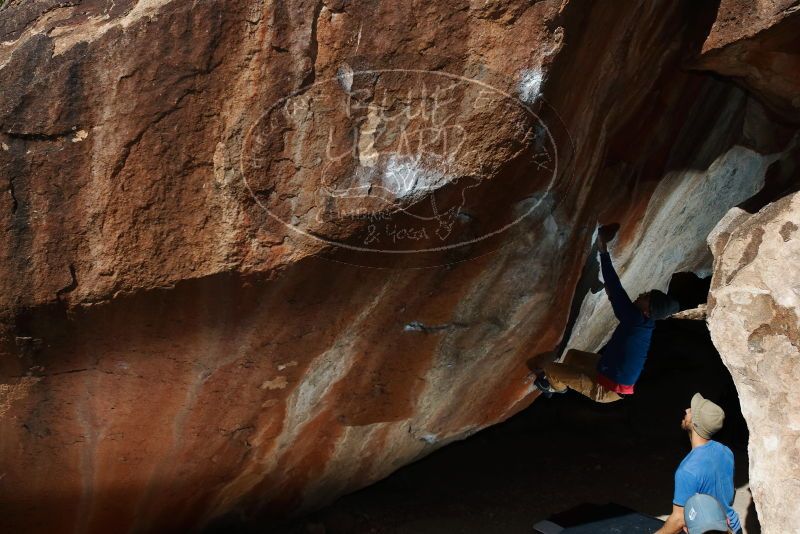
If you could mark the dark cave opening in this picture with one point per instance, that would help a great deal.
(557, 454)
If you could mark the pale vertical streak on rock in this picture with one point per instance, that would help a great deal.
(88, 455)
(210, 344)
(325, 371)
(397, 447)
(358, 441)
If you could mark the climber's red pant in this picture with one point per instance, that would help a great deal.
(579, 372)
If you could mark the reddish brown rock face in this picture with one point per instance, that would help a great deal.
(189, 325)
(757, 44)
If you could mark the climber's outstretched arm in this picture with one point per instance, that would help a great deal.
(620, 301)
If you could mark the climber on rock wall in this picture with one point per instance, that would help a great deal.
(605, 377)
(707, 469)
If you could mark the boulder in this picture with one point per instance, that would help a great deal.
(258, 254)
(754, 310)
(757, 45)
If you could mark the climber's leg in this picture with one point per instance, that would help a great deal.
(602, 395)
(582, 359)
(578, 371)
(563, 375)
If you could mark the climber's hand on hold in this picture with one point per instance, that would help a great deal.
(605, 234)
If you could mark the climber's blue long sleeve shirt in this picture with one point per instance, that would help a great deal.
(624, 355)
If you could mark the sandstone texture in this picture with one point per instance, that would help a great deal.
(258, 254)
(754, 318)
(756, 44)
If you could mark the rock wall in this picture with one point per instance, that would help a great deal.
(756, 44)
(193, 321)
(753, 317)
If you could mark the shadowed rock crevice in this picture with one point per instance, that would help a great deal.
(31, 136)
